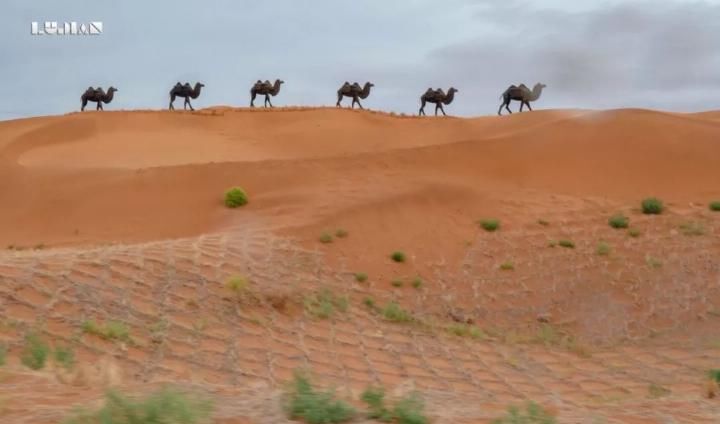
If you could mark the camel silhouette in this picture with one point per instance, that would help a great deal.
(355, 91)
(438, 97)
(185, 91)
(522, 94)
(98, 96)
(266, 89)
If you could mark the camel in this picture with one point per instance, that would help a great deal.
(98, 96)
(354, 91)
(522, 94)
(438, 97)
(266, 89)
(185, 91)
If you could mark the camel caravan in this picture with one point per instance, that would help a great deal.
(438, 97)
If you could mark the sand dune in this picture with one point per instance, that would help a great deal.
(151, 183)
(116, 175)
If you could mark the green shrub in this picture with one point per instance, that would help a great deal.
(714, 374)
(417, 282)
(398, 256)
(533, 414)
(112, 330)
(634, 232)
(603, 249)
(543, 222)
(341, 233)
(466, 330)
(316, 407)
(237, 284)
(507, 266)
(652, 206)
(393, 312)
(35, 352)
(408, 410)
(369, 302)
(619, 221)
(715, 206)
(64, 356)
(489, 225)
(567, 244)
(397, 283)
(324, 304)
(361, 277)
(326, 238)
(235, 197)
(165, 406)
(692, 228)
(3, 354)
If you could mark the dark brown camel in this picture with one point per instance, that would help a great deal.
(522, 94)
(98, 96)
(354, 91)
(438, 97)
(185, 91)
(266, 89)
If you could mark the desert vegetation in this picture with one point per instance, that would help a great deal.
(235, 197)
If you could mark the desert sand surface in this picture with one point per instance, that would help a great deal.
(118, 216)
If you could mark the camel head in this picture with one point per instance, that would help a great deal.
(199, 84)
(540, 85)
(453, 90)
(112, 90)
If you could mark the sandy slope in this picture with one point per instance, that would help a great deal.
(151, 183)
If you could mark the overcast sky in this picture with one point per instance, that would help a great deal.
(591, 54)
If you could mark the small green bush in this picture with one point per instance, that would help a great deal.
(715, 206)
(652, 206)
(507, 266)
(714, 374)
(467, 330)
(417, 282)
(543, 222)
(489, 225)
(3, 354)
(533, 414)
(237, 284)
(634, 232)
(408, 410)
(692, 228)
(112, 330)
(166, 406)
(341, 233)
(567, 244)
(316, 407)
(361, 277)
(326, 238)
(235, 197)
(35, 352)
(369, 302)
(603, 249)
(619, 221)
(397, 283)
(398, 256)
(324, 304)
(64, 356)
(393, 312)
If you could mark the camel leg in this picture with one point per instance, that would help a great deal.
(507, 107)
(267, 99)
(437, 106)
(352, 105)
(500, 109)
(359, 104)
(422, 108)
(84, 103)
(528, 105)
(442, 109)
(172, 99)
(252, 99)
(99, 106)
(340, 96)
(522, 103)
